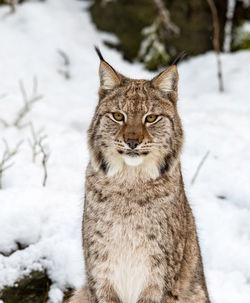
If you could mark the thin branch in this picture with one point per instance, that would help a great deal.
(216, 41)
(65, 71)
(34, 143)
(38, 147)
(28, 102)
(199, 167)
(169, 26)
(8, 154)
(64, 56)
(5, 123)
(45, 158)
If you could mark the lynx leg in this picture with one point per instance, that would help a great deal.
(80, 296)
(152, 297)
(198, 295)
(105, 292)
(151, 294)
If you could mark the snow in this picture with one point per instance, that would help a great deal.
(47, 220)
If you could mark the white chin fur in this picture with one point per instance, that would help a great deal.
(133, 161)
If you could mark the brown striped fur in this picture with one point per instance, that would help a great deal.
(139, 236)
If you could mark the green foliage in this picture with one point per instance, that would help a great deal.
(152, 51)
(241, 36)
(127, 19)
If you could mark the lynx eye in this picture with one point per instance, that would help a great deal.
(118, 116)
(151, 118)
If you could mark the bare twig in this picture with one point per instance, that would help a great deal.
(45, 158)
(38, 147)
(25, 109)
(8, 154)
(65, 71)
(199, 167)
(28, 102)
(64, 56)
(169, 26)
(5, 123)
(34, 143)
(216, 41)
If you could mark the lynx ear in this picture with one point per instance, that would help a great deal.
(167, 81)
(109, 78)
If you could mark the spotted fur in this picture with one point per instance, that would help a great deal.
(139, 236)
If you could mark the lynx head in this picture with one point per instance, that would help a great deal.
(136, 127)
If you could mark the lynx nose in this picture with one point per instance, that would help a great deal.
(132, 143)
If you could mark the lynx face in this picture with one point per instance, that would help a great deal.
(136, 126)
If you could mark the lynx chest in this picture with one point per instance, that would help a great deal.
(129, 259)
(128, 249)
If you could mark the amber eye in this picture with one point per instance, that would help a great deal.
(118, 116)
(151, 118)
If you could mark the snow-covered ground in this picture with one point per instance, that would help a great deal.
(48, 219)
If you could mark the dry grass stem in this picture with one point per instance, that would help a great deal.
(8, 154)
(65, 71)
(45, 157)
(28, 103)
(199, 167)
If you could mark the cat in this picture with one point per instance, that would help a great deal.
(139, 236)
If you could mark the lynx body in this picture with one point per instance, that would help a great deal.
(139, 237)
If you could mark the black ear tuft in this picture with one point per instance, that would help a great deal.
(179, 58)
(99, 53)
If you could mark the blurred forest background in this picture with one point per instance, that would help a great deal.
(156, 31)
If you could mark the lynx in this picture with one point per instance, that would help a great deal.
(139, 236)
